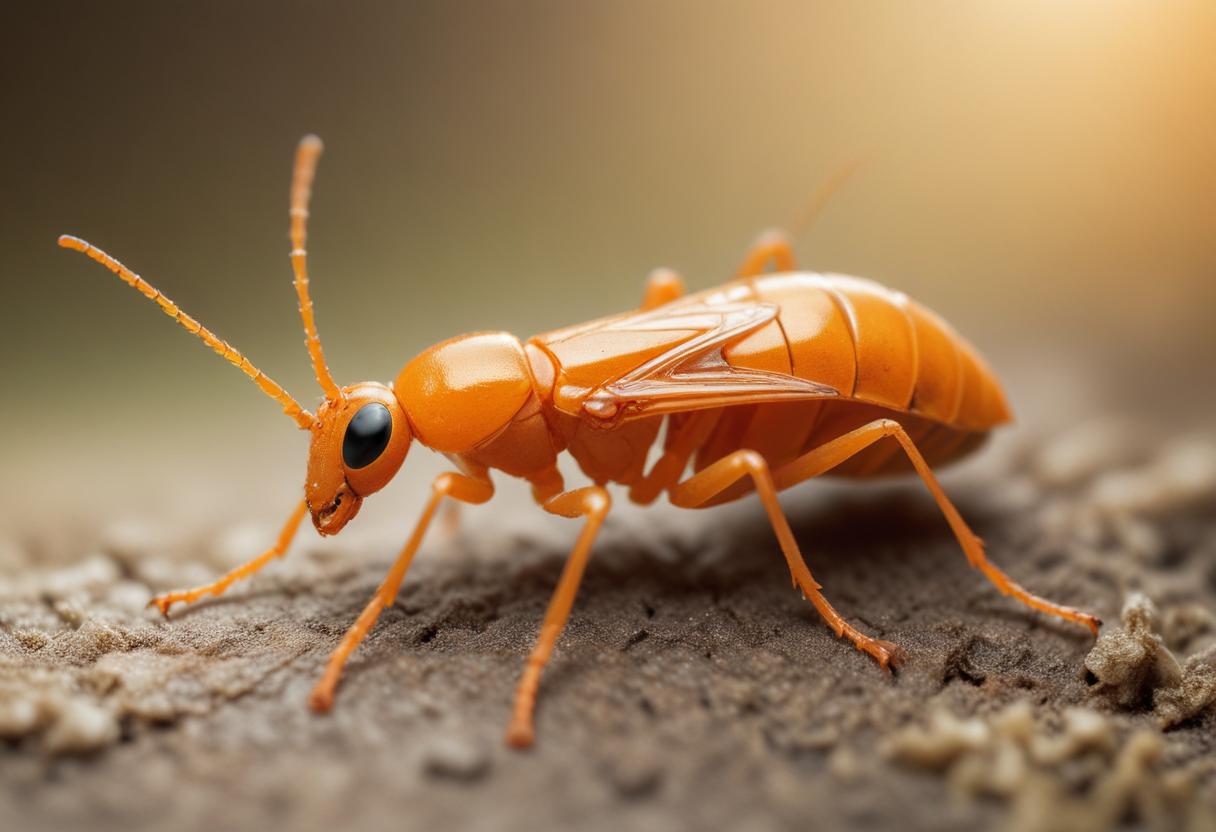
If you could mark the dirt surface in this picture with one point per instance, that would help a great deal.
(693, 688)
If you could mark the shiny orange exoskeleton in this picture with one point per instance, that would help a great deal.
(766, 381)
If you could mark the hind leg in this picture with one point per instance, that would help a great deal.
(702, 487)
(773, 245)
(662, 286)
(829, 455)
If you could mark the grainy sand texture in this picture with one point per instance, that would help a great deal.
(693, 688)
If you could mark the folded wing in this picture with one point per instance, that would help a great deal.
(667, 360)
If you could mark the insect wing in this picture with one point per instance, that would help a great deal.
(693, 374)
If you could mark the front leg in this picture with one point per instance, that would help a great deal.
(457, 486)
(592, 503)
(189, 596)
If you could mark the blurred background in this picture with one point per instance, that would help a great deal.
(1042, 174)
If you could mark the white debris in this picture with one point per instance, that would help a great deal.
(1181, 476)
(1196, 692)
(80, 726)
(455, 757)
(1133, 668)
(1083, 730)
(18, 716)
(1022, 760)
(1128, 664)
(941, 742)
(1078, 455)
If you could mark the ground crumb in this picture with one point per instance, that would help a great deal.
(1016, 758)
(456, 757)
(1186, 624)
(941, 742)
(634, 772)
(1183, 474)
(63, 723)
(1126, 665)
(1133, 668)
(1196, 692)
(79, 726)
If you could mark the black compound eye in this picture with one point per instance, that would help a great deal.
(367, 435)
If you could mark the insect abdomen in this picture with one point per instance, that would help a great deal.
(886, 354)
(877, 346)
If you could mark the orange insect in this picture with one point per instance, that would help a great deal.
(766, 381)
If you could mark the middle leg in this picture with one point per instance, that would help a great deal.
(830, 454)
(704, 486)
(593, 504)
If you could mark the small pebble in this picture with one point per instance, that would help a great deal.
(1195, 693)
(18, 716)
(31, 639)
(1083, 729)
(81, 727)
(1185, 623)
(129, 596)
(635, 773)
(456, 758)
(70, 613)
(1080, 454)
(94, 571)
(132, 540)
(1184, 475)
(941, 742)
(845, 765)
(1015, 722)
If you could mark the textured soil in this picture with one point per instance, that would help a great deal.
(693, 688)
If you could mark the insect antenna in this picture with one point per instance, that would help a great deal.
(307, 154)
(222, 348)
(810, 212)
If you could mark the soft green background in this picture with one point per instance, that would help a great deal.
(1043, 174)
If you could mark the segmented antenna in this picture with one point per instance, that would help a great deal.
(802, 223)
(222, 348)
(302, 177)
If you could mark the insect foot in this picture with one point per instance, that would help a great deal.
(888, 654)
(321, 700)
(163, 603)
(520, 735)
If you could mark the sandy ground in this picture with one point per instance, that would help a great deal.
(693, 689)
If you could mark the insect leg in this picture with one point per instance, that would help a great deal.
(775, 244)
(772, 245)
(662, 286)
(703, 486)
(189, 596)
(450, 519)
(592, 503)
(831, 454)
(458, 487)
(668, 468)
